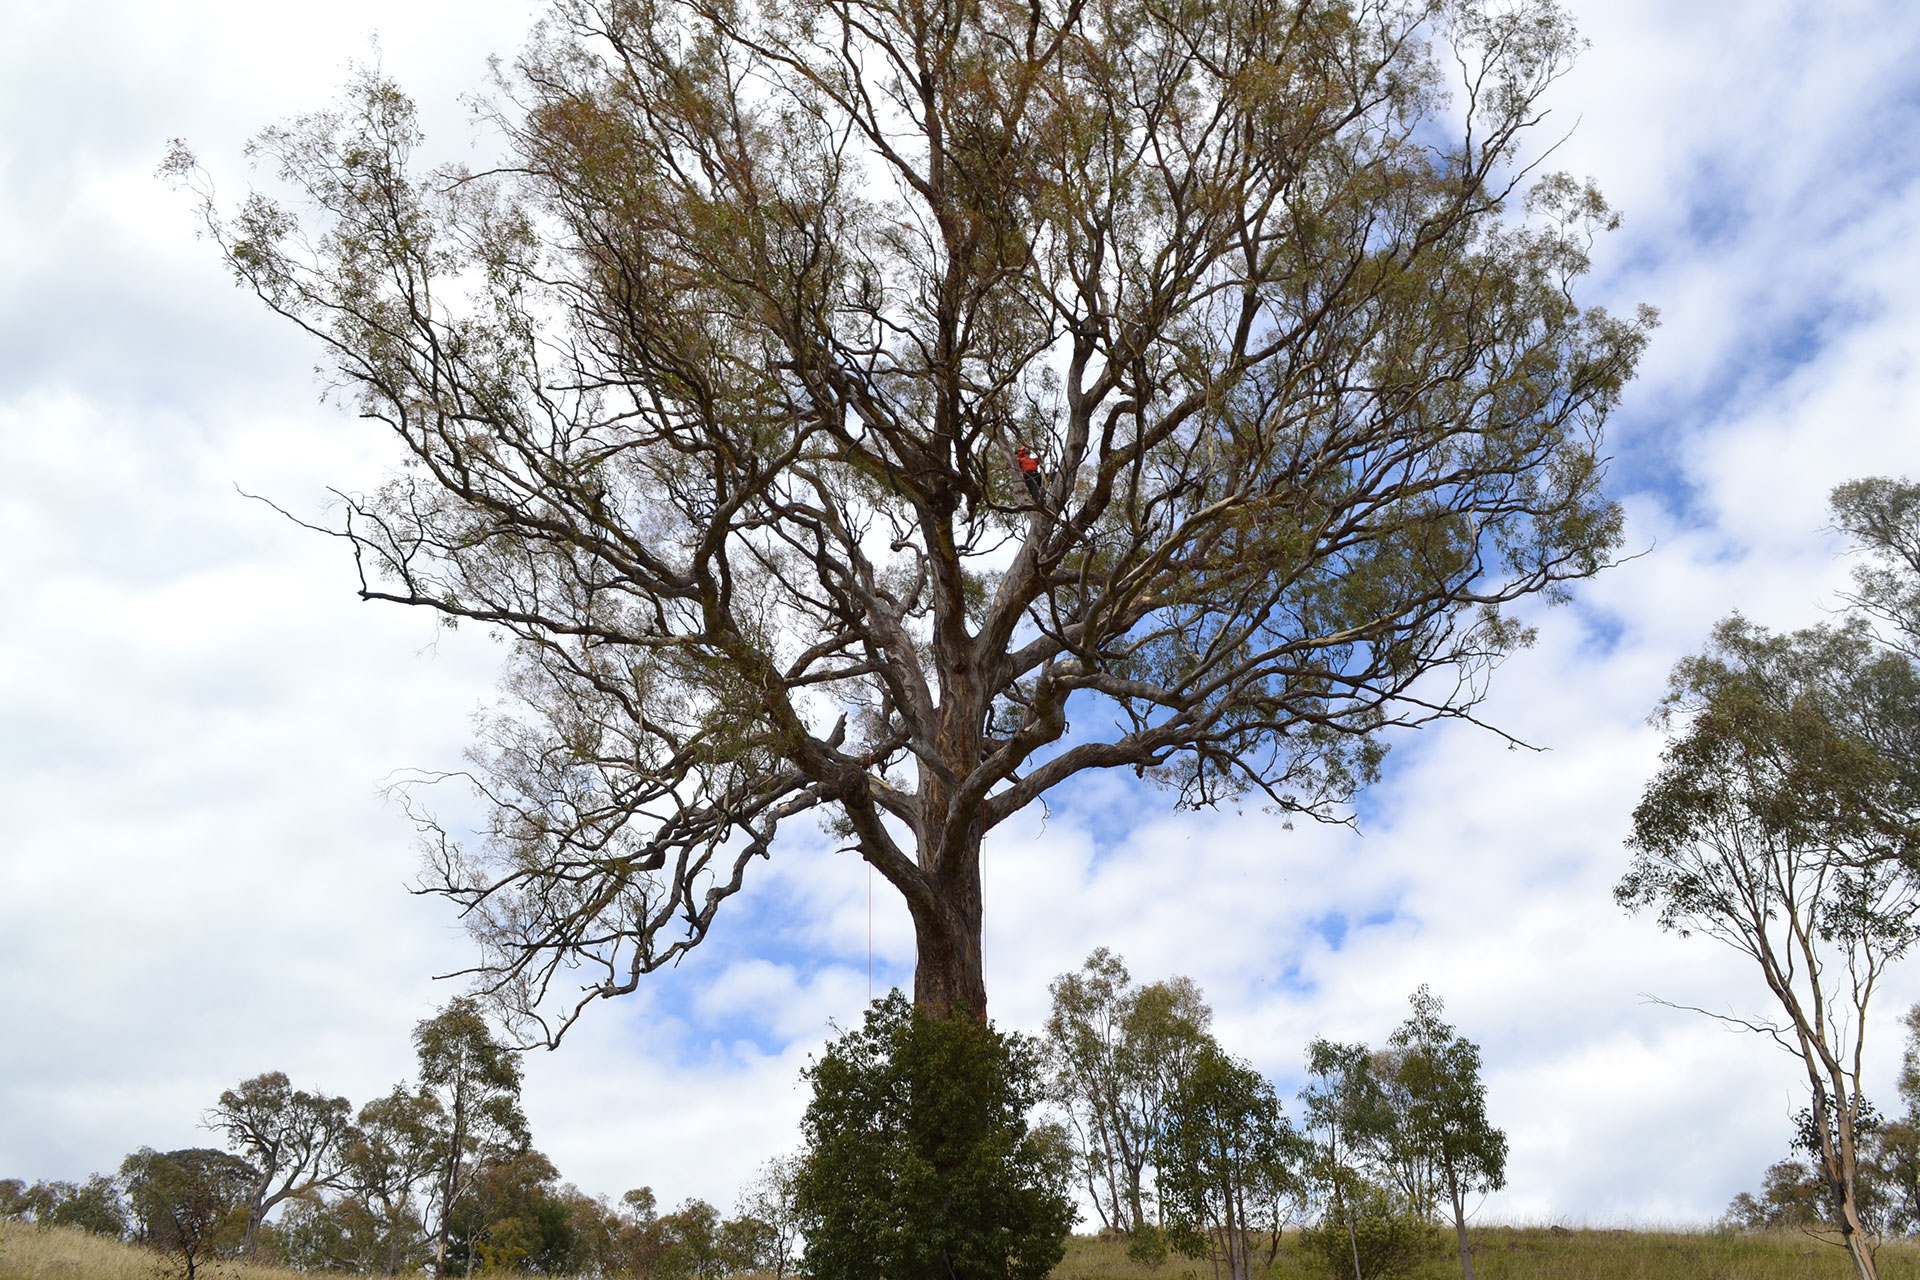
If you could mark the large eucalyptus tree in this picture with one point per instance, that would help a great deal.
(710, 391)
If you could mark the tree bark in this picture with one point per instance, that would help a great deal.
(1460, 1222)
(1840, 1166)
(948, 977)
(256, 1214)
(1353, 1243)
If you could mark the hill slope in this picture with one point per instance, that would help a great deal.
(1499, 1253)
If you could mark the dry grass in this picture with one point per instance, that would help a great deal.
(63, 1253)
(1550, 1253)
(1499, 1253)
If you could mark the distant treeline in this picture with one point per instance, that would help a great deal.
(1176, 1144)
(439, 1174)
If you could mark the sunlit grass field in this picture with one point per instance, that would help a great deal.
(1499, 1253)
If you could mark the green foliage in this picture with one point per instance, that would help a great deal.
(769, 1201)
(1231, 1165)
(1370, 1233)
(1441, 1143)
(511, 1218)
(1115, 1054)
(1882, 516)
(94, 1206)
(473, 1077)
(1779, 825)
(189, 1204)
(473, 1081)
(919, 1162)
(1792, 1194)
(1147, 1245)
(346, 1234)
(1804, 740)
(1368, 1227)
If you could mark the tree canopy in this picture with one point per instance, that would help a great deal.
(710, 391)
(292, 1138)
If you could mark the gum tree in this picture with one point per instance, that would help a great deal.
(1116, 1054)
(470, 1096)
(1765, 830)
(1442, 1141)
(710, 391)
(293, 1139)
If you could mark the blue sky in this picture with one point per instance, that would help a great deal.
(200, 879)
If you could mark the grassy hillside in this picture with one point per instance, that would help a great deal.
(1500, 1253)
(63, 1253)
(1553, 1253)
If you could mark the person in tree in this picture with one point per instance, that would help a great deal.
(1029, 471)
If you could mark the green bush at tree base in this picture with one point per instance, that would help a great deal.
(919, 1163)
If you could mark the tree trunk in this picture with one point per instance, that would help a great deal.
(446, 1215)
(1855, 1231)
(1863, 1265)
(1353, 1243)
(1460, 1222)
(1841, 1169)
(948, 976)
(1136, 1202)
(256, 1214)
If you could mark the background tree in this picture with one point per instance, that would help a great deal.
(710, 389)
(94, 1206)
(474, 1083)
(511, 1217)
(747, 1244)
(393, 1153)
(1116, 1054)
(1367, 1227)
(377, 1222)
(1231, 1167)
(769, 1199)
(292, 1139)
(919, 1162)
(1894, 1164)
(1725, 845)
(340, 1233)
(1441, 1133)
(190, 1204)
(1792, 1195)
(1882, 515)
(639, 1238)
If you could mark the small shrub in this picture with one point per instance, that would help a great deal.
(1388, 1238)
(1147, 1245)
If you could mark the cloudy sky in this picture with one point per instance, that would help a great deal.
(201, 880)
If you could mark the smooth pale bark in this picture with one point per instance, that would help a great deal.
(1460, 1222)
